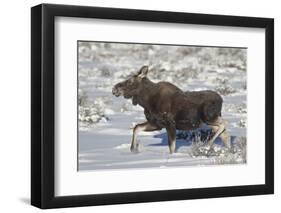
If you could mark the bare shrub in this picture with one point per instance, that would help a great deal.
(91, 113)
(225, 89)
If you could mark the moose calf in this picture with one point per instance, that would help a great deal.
(167, 106)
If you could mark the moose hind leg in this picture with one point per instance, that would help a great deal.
(226, 138)
(146, 126)
(218, 127)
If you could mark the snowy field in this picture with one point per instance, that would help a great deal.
(106, 122)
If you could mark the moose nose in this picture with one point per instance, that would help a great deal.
(114, 91)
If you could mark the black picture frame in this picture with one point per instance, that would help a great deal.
(43, 105)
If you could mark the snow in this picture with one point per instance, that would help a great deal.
(106, 122)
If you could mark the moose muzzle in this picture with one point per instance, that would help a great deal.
(115, 91)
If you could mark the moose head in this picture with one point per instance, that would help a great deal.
(130, 87)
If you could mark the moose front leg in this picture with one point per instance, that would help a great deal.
(146, 126)
(171, 131)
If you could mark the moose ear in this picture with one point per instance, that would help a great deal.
(143, 72)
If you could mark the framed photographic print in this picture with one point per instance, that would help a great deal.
(140, 106)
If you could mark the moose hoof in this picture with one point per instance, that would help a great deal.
(227, 145)
(172, 151)
(134, 149)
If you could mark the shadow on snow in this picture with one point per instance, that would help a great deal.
(185, 138)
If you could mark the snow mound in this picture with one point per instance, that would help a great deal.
(123, 146)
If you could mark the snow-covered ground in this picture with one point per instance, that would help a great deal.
(105, 122)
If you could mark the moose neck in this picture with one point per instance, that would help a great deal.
(148, 89)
